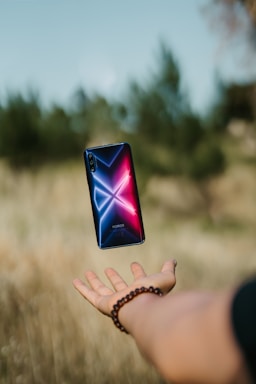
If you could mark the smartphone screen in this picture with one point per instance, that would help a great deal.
(114, 195)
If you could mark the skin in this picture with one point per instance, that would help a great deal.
(187, 336)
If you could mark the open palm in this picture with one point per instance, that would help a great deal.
(103, 298)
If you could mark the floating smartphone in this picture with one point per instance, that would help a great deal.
(114, 195)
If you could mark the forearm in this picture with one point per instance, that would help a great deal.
(187, 336)
(148, 318)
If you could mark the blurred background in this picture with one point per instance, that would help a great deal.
(177, 80)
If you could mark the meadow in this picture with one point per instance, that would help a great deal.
(48, 333)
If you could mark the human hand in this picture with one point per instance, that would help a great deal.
(103, 298)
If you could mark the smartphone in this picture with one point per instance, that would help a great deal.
(114, 195)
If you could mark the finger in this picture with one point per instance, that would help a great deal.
(98, 301)
(96, 284)
(168, 270)
(169, 266)
(85, 291)
(116, 280)
(137, 271)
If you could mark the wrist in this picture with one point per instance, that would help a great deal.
(126, 310)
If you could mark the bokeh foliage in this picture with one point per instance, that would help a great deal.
(167, 136)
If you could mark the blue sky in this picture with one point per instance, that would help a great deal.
(55, 46)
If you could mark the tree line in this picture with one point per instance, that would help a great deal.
(167, 136)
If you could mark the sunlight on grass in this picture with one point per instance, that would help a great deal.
(48, 334)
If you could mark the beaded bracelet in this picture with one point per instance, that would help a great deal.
(119, 304)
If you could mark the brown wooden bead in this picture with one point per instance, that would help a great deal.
(126, 299)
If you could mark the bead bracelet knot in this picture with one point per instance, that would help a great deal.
(121, 302)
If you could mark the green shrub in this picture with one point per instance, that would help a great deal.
(59, 140)
(19, 131)
(207, 160)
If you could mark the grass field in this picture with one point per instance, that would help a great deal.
(48, 334)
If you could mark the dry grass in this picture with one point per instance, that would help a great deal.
(48, 334)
